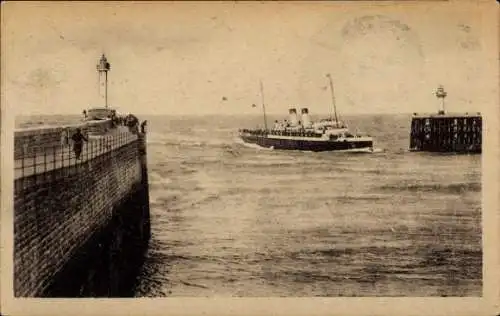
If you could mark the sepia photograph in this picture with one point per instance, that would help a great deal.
(332, 150)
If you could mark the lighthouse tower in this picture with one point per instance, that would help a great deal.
(441, 94)
(102, 68)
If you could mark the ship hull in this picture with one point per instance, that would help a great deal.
(305, 145)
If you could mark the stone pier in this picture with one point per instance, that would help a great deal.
(81, 226)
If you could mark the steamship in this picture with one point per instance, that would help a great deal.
(307, 135)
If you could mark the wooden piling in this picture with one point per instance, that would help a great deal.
(450, 132)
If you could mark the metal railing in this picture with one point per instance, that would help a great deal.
(63, 155)
(31, 141)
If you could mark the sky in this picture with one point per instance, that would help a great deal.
(208, 58)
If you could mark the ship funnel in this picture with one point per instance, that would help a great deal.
(306, 120)
(294, 120)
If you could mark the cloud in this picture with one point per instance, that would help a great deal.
(187, 59)
(384, 29)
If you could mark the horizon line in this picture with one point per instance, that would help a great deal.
(254, 114)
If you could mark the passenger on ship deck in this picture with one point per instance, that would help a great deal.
(78, 139)
(281, 126)
(276, 125)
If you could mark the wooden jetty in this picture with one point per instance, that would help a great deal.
(446, 132)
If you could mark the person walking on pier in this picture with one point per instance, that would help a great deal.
(64, 137)
(78, 139)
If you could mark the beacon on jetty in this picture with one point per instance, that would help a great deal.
(446, 132)
(302, 133)
(104, 112)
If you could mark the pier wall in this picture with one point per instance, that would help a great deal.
(81, 226)
(457, 133)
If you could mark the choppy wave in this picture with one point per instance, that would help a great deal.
(239, 141)
(236, 219)
(187, 141)
(452, 188)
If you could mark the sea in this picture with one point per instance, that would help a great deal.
(235, 220)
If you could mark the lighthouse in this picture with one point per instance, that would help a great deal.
(102, 68)
(441, 94)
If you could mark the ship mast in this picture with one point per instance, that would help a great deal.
(333, 100)
(263, 104)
